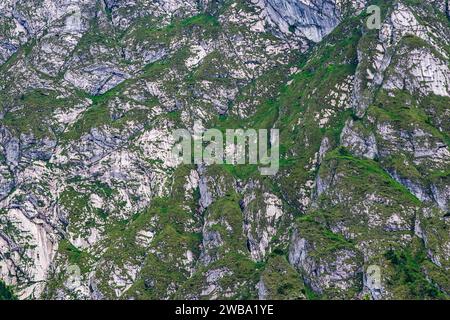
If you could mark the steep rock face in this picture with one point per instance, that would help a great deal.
(77, 51)
(388, 48)
(308, 19)
(263, 216)
(322, 272)
(408, 62)
(93, 205)
(359, 142)
(423, 73)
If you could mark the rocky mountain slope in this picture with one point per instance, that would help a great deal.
(93, 207)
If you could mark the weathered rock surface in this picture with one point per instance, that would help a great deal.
(94, 206)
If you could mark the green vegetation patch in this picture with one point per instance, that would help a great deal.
(6, 292)
(408, 279)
